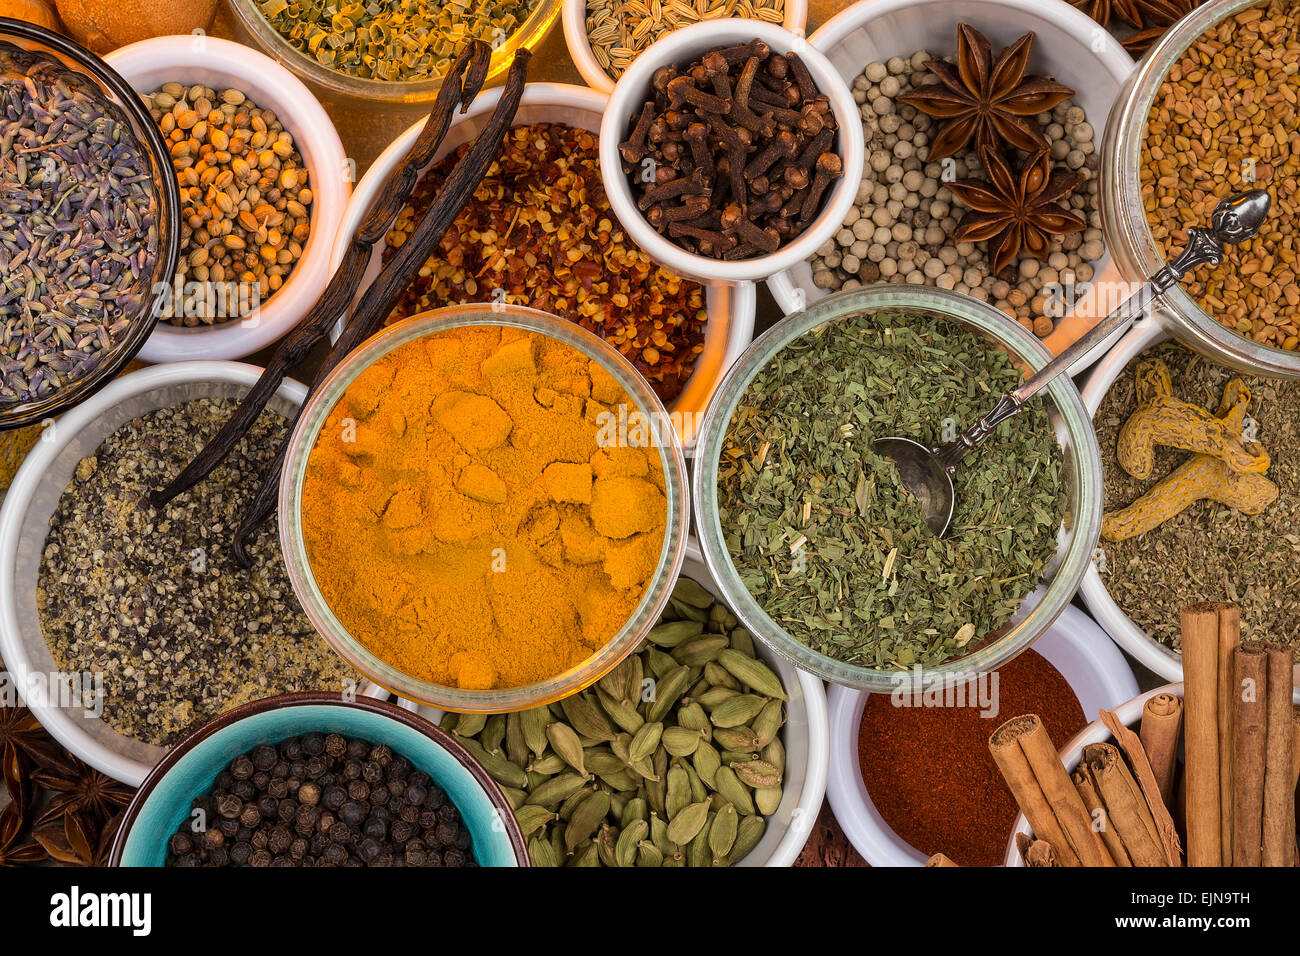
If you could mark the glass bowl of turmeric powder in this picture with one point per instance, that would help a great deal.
(483, 508)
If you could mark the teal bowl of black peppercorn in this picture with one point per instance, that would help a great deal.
(313, 779)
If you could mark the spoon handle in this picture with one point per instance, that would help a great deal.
(1236, 220)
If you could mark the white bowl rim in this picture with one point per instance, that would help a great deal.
(63, 728)
(311, 128)
(869, 833)
(573, 17)
(742, 296)
(630, 89)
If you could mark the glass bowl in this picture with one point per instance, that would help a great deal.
(499, 700)
(1082, 472)
(344, 88)
(1128, 235)
(114, 89)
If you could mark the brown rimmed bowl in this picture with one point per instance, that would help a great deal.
(164, 800)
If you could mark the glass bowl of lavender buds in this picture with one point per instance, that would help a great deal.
(89, 224)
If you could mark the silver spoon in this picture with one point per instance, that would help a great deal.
(927, 472)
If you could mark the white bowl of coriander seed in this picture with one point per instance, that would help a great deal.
(729, 308)
(605, 36)
(255, 252)
(900, 228)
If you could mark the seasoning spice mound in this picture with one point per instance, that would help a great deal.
(822, 532)
(928, 769)
(1223, 122)
(904, 224)
(323, 800)
(618, 30)
(613, 776)
(155, 602)
(245, 202)
(79, 231)
(394, 40)
(540, 232)
(471, 514)
(1208, 552)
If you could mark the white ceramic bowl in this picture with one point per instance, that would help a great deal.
(1075, 646)
(731, 306)
(24, 523)
(220, 64)
(1068, 45)
(573, 14)
(680, 47)
(1129, 714)
(806, 737)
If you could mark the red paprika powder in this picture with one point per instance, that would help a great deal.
(929, 772)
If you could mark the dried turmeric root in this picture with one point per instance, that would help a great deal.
(1201, 477)
(1161, 419)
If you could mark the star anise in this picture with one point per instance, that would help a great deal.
(1016, 213)
(1104, 10)
(14, 851)
(990, 102)
(84, 791)
(74, 840)
(24, 744)
(1157, 17)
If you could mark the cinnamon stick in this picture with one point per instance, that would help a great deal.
(1024, 753)
(1162, 728)
(1229, 639)
(1279, 791)
(1129, 815)
(940, 859)
(1250, 722)
(1087, 788)
(1157, 813)
(1200, 629)
(1035, 853)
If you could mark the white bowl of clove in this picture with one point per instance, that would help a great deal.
(731, 150)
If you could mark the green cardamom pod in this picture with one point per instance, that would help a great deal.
(514, 796)
(564, 740)
(683, 828)
(659, 836)
(728, 784)
(736, 738)
(635, 676)
(449, 721)
(714, 697)
(555, 791)
(647, 854)
(689, 591)
(498, 767)
(516, 748)
(689, 611)
(494, 734)
(541, 853)
(742, 641)
(624, 715)
(748, 832)
(752, 673)
(624, 781)
(636, 809)
(586, 855)
(700, 650)
(658, 662)
(645, 741)
(626, 846)
(680, 741)
(768, 722)
(667, 690)
(547, 766)
(571, 802)
(586, 817)
(715, 675)
(692, 716)
(614, 681)
(674, 632)
(730, 757)
(533, 725)
(722, 834)
(767, 799)
(698, 853)
(605, 845)
(586, 717)
(532, 818)
(600, 760)
(678, 793)
(706, 762)
(737, 710)
(774, 753)
(698, 790)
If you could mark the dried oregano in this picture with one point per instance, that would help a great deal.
(823, 535)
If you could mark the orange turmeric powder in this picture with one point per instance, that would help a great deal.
(461, 518)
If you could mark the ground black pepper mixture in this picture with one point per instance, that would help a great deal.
(155, 601)
(1209, 552)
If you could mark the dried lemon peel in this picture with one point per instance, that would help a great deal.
(1209, 475)
(1161, 419)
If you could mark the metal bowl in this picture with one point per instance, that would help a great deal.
(1070, 420)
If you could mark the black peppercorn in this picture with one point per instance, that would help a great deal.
(316, 766)
(398, 768)
(372, 771)
(418, 778)
(218, 856)
(358, 749)
(445, 834)
(261, 779)
(313, 744)
(352, 770)
(401, 832)
(240, 854)
(250, 816)
(280, 771)
(213, 838)
(291, 749)
(333, 797)
(279, 840)
(278, 788)
(267, 805)
(410, 814)
(244, 790)
(448, 814)
(381, 813)
(416, 856)
(241, 768)
(358, 790)
(378, 795)
(334, 855)
(229, 828)
(374, 828)
(335, 746)
(264, 757)
(260, 857)
(298, 849)
(381, 754)
(339, 833)
(180, 844)
(436, 798)
(223, 781)
(229, 805)
(286, 811)
(453, 857)
(416, 794)
(368, 849)
(309, 793)
(258, 839)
